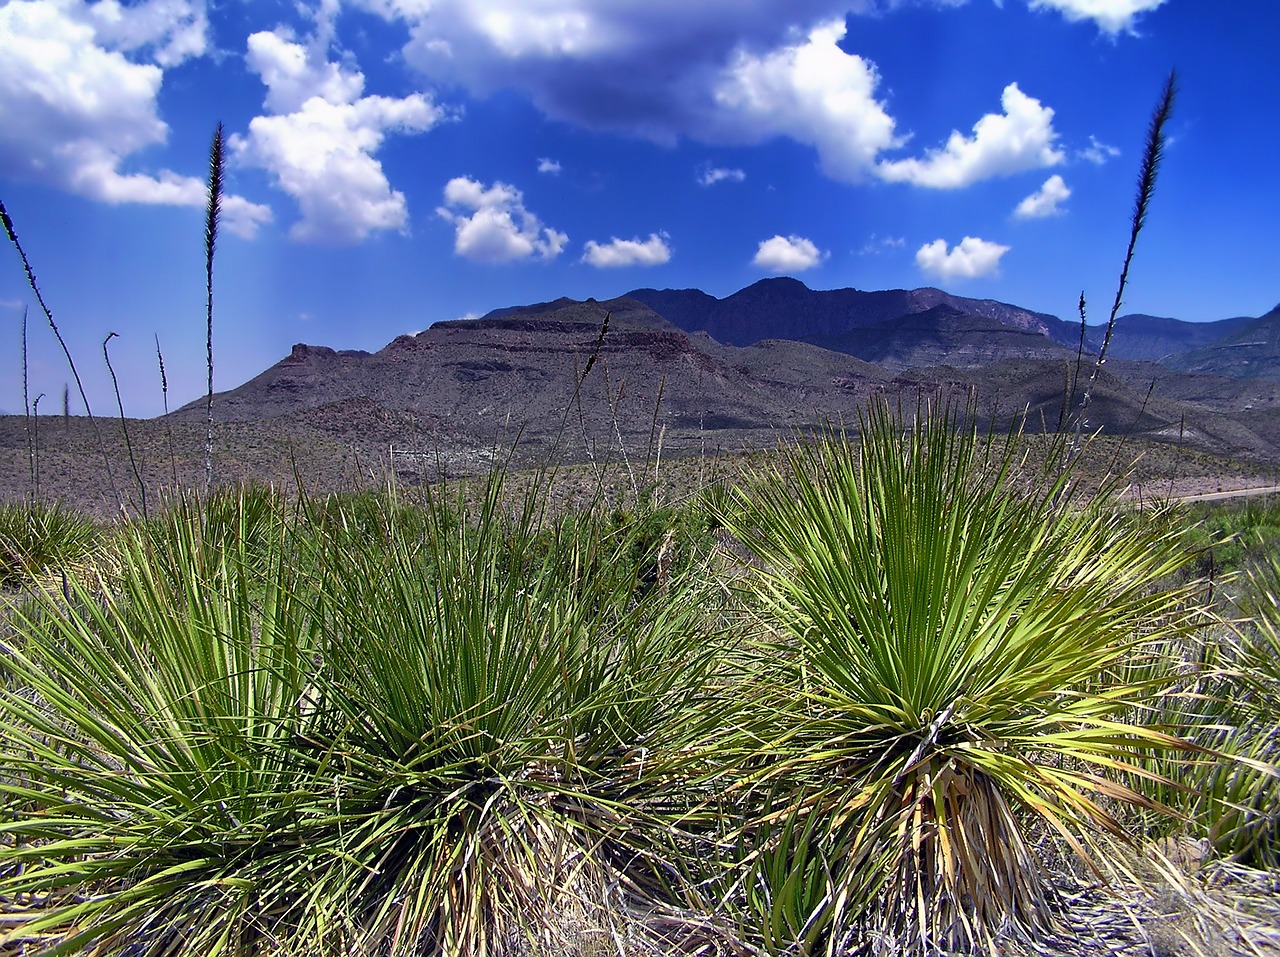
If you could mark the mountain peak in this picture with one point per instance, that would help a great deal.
(779, 282)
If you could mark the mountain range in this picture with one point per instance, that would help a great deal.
(679, 370)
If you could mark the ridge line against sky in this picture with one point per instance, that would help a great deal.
(392, 163)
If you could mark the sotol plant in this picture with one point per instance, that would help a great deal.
(264, 735)
(942, 635)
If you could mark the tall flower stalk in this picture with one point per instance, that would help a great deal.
(212, 213)
(1152, 155)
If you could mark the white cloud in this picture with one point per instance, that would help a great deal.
(492, 225)
(970, 259)
(320, 148)
(813, 92)
(1098, 152)
(74, 107)
(548, 166)
(788, 254)
(714, 71)
(1111, 16)
(653, 251)
(173, 30)
(718, 174)
(1046, 201)
(292, 76)
(1018, 139)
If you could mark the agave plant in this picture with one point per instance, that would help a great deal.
(944, 633)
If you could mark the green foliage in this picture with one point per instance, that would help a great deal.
(266, 734)
(1227, 537)
(36, 539)
(1251, 829)
(520, 721)
(944, 638)
(1227, 703)
(649, 543)
(248, 520)
(460, 725)
(151, 751)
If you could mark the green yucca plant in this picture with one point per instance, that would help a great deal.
(1227, 702)
(943, 634)
(157, 800)
(37, 538)
(521, 731)
(1249, 828)
(267, 735)
(1225, 699)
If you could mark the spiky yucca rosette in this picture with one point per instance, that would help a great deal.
(466, 734)
(946, 638)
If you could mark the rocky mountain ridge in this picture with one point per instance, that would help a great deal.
(620, 377)
(906, 328)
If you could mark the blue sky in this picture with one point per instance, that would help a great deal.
(392, 163)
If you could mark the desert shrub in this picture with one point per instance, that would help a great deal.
(942, 641)
(1226, 703)
(379, 515)
(158, 798)
(1230, 537)
(266, 735)
(38, 538)
(520, 729)
(647, 544)
(248, 519)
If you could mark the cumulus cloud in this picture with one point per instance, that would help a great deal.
(74, 107)
(653, 251)
(813, 92)
(493, 226)
(1098, 152)
(718, 174)
(292, 76)
(320, 143)
(1020, 138)
(783, 254)
(1111, 16)
(970, 259)
(170, 30)
(715, 71)
(548, 166)
(1046, 201)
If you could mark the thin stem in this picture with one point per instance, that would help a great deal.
(26, 411)
(1151, 158)
(12, 232)
(614, 402)
(35, 439)
(124, 427)
(168, 426)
